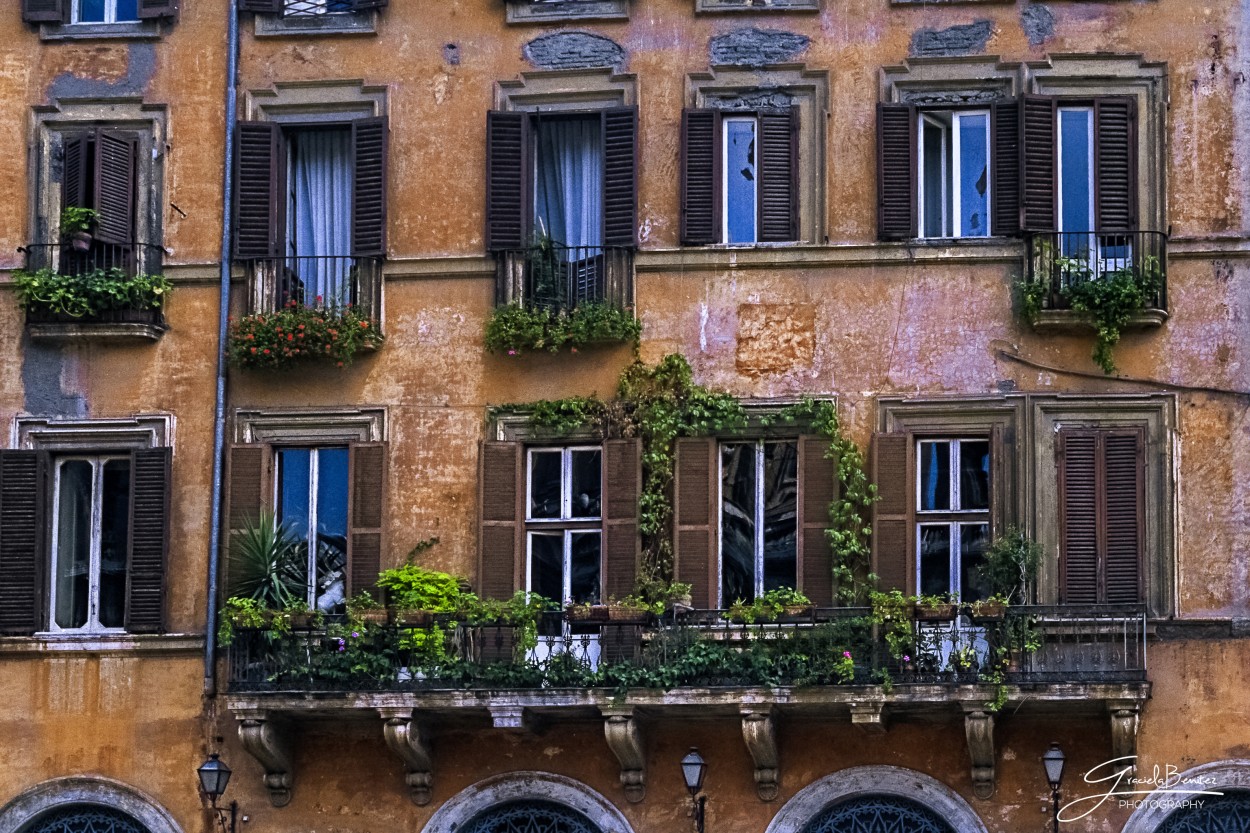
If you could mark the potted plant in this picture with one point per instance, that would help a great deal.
(1009, 565)
(940, 607)
(586, 612)
(302, 617)
(892, 613)
(631, 609)
(266, 564)
(794, 605)
(366, 610)
(501, 629)
(415, 594)
(992, 608)
(76, 225)
(241, 612)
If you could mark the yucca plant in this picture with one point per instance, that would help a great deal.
(268, 563)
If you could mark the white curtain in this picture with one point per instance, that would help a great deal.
(319, 221)
(568, 193)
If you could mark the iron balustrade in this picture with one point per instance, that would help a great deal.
(66, 259)
(1061, 259)
(322, 281)
(553, 276)
(308, 8)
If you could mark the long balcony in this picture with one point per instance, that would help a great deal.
(553, 276)
(1058, 264)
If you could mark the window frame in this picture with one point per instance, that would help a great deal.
(759, 497)
(952, 165)
(956, 517)
(312, 521)
(566, 525)
(728, 119)
(110, 15)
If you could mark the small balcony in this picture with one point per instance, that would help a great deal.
(322, 281)
(550, 275)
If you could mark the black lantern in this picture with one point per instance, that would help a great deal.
(693, 768)
(1053, 761)
(214, 777)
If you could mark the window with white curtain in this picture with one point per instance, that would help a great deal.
(319, 222)
(568, 182)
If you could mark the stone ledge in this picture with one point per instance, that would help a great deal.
(125, 643)
(1067, 321)
(96, 331)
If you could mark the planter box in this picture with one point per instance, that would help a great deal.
(935, 613)
(412, 618)
(115, 325)
(634, 615)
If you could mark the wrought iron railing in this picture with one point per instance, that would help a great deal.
(333, 281)
(553, 276)
(68, 259)
(307, 8)
(1060, 260)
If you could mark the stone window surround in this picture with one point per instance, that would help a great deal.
(461, 808)
(544, 11)
(131, 30)
(566, 90)
(60, 792)
(76, 435)
(340, 23)
(312, 426)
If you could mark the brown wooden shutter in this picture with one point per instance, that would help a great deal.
(367, 498)
(74, 171)
(1123, 521)
(260, 160)
(507, 166)
(700, 186)
(158, 8)
(1115, 154)
(249, 484)
(369, 186)
(364, 5)
(261, 6)
(149, 540)
(620, 176)
(818, 476)
(893, 546)
(779, 175)
(896, 171)
(1037, 163)
(1000, 512)
(1079, 489)
(23, 519)
(696, 518)
(622, 484)
(501, 483)
(1006, 143)
(115, 155)
(45, 11)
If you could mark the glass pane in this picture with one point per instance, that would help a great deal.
(114, 533)
(1076, 176)
(974, 474)
(973, 539)
(293, 488)
(781, 468)
(584, 567)
(974, 175)
(73, 543)
(932, 139)
(547, 564)
(331, 523)
(935, 559)
(740, 180)
(545, 484)
(935, 476)
(737, 522)
(587, 483)
(127, 10)
(90, 11)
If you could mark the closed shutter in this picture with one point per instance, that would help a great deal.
(507, 164)
(149, 540)
(369, 186)
(261, 6)
(158, 8)
(115, 155)
(1079, 489)
(1123, 515)
(501, 484)
(259, 174)
(620, 176)
(779, 172)
(74, 171)
(892, 526)
(700, 186)
(45, 11)
(1037, 163)
(896, 171)
(818, 476)
(23, 516)
(363, 5)
(367, 484)
(1115, 152)
(696, 518)
(622, 483)
(1006, 144)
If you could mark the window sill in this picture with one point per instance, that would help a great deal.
(756, 6)
(120, 643)
(529, 11)
(136, 30)
(140, 326)
(1068, 321)
(353, 23)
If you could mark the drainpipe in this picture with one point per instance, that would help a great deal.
(223, 324)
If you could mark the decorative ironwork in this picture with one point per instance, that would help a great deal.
(531, 817)
(86, 818)
(1229, 813)
(878, 814)
(1057, 260)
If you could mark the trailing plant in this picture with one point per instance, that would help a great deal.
(240, 612)
(1009, 564)
(45, 291)
(766, 607)
(662, 593)
(267, 563)
(892, 612)
(514, 329)
(298, 333)
(75, 219)
(361, 602)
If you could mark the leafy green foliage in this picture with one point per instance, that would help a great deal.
(514, 329)
(413, 587)
(1010, 564)
(88, 294)
(75, 219)
(298, 333)
(267, 564)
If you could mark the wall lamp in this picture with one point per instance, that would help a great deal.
(693, 768)
(214, 776)
(1053, 762)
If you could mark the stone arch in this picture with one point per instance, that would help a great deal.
(1217, 775)
(61, 793)
(472, 801)
(865, 781)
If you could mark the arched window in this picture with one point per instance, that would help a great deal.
(529, 817)
(1228, 813)
(85, 818)
(878, 814)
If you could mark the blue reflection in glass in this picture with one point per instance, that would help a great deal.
(90, 11)
(740, 180)
(127, 10)
(974, 175)
(1076, 179)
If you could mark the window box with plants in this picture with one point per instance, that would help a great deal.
(98, 303)
(299, 334)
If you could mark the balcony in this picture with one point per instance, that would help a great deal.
(333, 281)
(550, 275)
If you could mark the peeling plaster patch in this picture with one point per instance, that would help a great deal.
(574, 50)
(140, 68)
(773, 338)
(756, 47)
(1038, 23)
(44, 394)
(969, 39)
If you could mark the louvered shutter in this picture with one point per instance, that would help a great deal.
(23, 517)
(249, 480)
(1115, 153)
(896, 171)
(115, 155)
(149, 540)
(1123, 521)
(1078, 522)
(620, 176)
(259, 173)
(892, 526)
(502, 491)
(157, 9)
(700, 186)
(261, 6)
(622, 483)
(1006, 191)
(696, 519)
(1037, 163)
(364, 5)
(45, 11)
(74, 172)
(366, 498)
(779, 175)
(1000, 513)
(818, 476)
(369, 186)
(507, 165)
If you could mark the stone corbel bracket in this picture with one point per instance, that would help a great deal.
(872, 716)
(1124, 719)
(407, 739)
(759, 732)
(979, 728)
(267, 742)
(624, 737)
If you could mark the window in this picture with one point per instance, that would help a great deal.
(953, 515)
(92, 507)
(123, 14)
(309, 8)
(104, 11)
(954, 173)
(563, 523)
(758, 518)
(312, 503)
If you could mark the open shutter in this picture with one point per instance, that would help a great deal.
(23, 515)
(149, 540)
(158, 8)
(622, 483)
(45, 11)
(367, 484)
(1123, 509)
(700, 219)
(369, 186)
(1001, 439)
(115, 155)
(892, 544)
(620, 176)
(1037, 163)
(261, 6)
(818, 476)
(1079, 487)
(364, 5)
(1115, 153)
(258, 192)
(896, 171)
(779, 175)
(502, 490)
(696, 518)
(1006, 191)
(507, 160)
(248, 492)
(74, 172)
